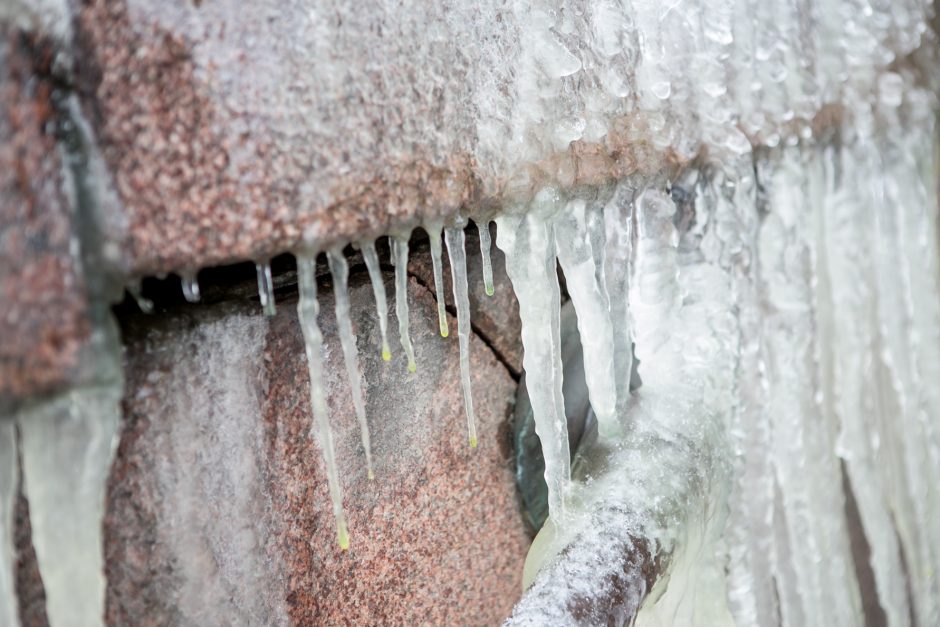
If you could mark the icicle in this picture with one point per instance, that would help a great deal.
(434, 233)
(8, 479)
(400, 259)
(190, 285)
(618, 215)
(458, 269)
(378, 288)
(67, 445)
(485, 244)
(266, 287)
(579, 239)
(307, 312)
(529, 245)
(340, 272)
(145, 304)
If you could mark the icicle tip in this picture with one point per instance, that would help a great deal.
(412, 367)
(489, 290)
(444, 330)
(386, 354)
(473, 441)
(371, 475)
(342, 536)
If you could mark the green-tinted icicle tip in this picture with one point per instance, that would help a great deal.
(489, 290)
(473, 442)
(412, 367)
(386, 355)
(371, 475)
(444, 330)
(343, 537)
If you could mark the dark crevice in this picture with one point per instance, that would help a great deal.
(238, 282)
(861, 555)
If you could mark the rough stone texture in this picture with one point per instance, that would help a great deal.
(218, 504)
(494, 318)
(43, 308)
(235, 131)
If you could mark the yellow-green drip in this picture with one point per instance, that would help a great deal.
(489, 290)
(473, 441)
(342, 535)
(386, 354)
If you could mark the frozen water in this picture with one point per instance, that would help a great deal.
(378, 288)
(307, 312)
(67, 445)
(458, 266)
(340, 271)
(400, 259)
(266, 287)
(9, 476)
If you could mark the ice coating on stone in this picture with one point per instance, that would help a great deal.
(347, 338)
(378, 289)
(266, 287)
(485, 245)
(307, 312)
(68, 444)
(579, 241)
(8, 482)
(457, 254)
(434, 235)
(781, 304)
(527, 240)
(190, 284)
(400, 259)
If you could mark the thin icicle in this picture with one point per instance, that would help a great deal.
(579, 239)
(190, 285)
(145, 304)
(529, 245)
(8, 479)
(340, 271)
(400, 259)
(458, 268)
(307, 311)
(485, 244)
(378, 288)
(68, 444)
(434, 233)
(266, 287)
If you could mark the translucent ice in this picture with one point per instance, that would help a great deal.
(307, 312)
(458, 268)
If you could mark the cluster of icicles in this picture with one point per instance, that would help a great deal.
(308, 310)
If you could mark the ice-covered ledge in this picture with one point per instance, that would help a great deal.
(236, 131)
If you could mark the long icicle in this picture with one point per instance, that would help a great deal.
(458, 268)
(307, 311)
(528, 243)
(485, 245)
(434, 233)
(378, 288)
(400, 258)
(266, 287)
(340, 271)
(8, 479)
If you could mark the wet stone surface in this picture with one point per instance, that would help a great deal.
(218, 503)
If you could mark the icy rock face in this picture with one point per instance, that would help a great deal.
(349, 119)
(785, 310)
